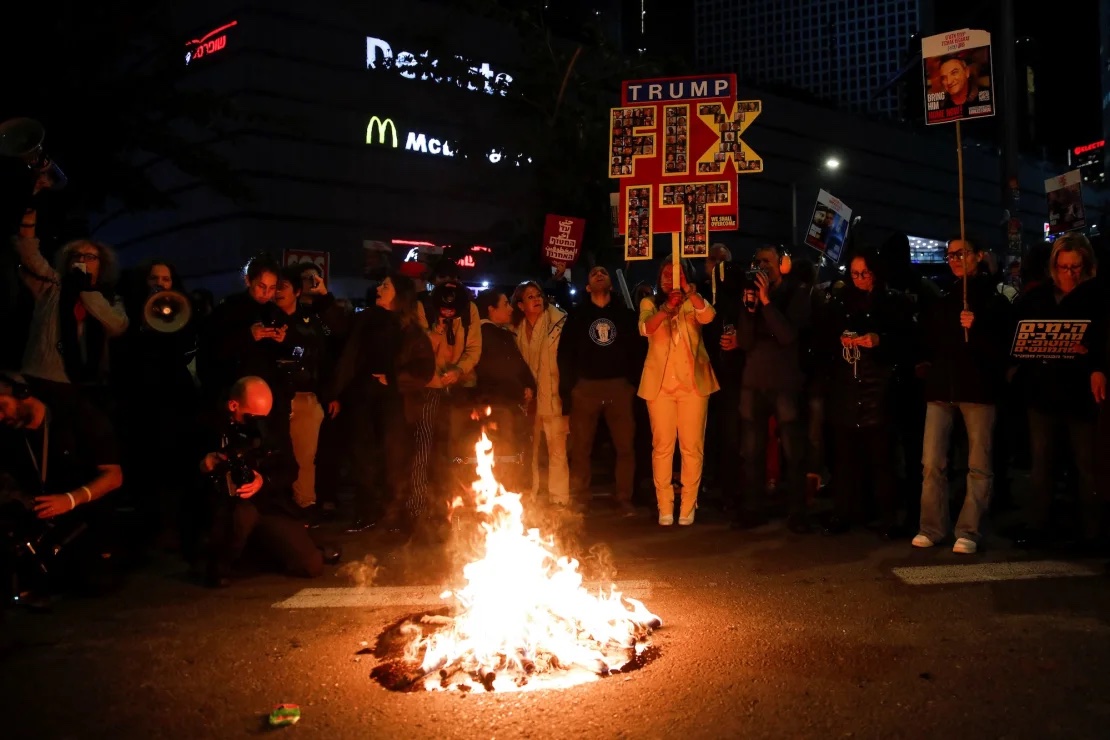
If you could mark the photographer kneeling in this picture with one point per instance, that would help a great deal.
(56, 466)
(252, 474)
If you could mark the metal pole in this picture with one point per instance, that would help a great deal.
(793, 213)
(1009, 111)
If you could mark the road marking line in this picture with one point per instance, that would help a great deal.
(375, 596)
(933, 575)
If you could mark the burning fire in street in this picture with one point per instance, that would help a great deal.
(524, 619)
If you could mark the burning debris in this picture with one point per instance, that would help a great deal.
(523, 620)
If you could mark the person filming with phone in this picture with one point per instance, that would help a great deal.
(775, 311)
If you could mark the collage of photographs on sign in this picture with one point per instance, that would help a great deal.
(676, 147)
(624, 145)
(637, 237)
(730, 137)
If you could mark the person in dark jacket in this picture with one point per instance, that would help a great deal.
(505, 382)
(722, 440)
(1063, 394)
(380, 379)
(251, 467)
(599, 368)
(859, 341)
(964, 355)
(236, 338)
(303, 379)
(503, 375)
(776, 313)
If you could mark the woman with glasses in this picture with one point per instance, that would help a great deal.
(860, 338)
(1062, 390)
(76, 313)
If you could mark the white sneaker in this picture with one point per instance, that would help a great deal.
(964, 546)
(665, 521)
(922, 541)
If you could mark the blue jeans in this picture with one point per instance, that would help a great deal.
(979, 420)
(756, 409)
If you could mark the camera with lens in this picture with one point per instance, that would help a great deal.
(242, 446)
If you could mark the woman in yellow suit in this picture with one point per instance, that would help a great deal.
(676, 384)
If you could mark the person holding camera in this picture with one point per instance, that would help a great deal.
(251, 470)
(304, 369)
(75, 314)
(58, 462)
(676, 383)
(237, 338)
(776, 312)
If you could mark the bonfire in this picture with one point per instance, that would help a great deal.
(524, 619)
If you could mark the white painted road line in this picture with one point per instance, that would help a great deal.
(377, 596)
(935, 575)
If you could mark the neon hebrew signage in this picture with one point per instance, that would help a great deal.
(383, 132)
(208, 44)
(380, 54)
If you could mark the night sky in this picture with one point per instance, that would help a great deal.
(1060, 41)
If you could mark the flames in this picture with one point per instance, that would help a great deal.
(524, 620)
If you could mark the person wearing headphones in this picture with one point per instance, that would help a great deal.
(776, 310)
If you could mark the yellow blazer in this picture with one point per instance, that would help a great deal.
(660, 345)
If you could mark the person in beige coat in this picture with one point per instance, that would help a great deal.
(676, 384)
(538, 327)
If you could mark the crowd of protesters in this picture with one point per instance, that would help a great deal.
(233, 436)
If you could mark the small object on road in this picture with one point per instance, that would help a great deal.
(285, 715)
(926, 675)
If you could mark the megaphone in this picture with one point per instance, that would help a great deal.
(167, 311)
(22, 138)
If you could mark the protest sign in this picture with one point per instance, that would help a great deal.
(675, 145)
(959, 83)
(828, 226)
(562, 239)
(1049, 340)
(1065, 202)
(290, 257)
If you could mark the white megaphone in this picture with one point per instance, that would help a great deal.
(22, 138)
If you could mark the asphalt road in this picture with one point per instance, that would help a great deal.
(766, 634)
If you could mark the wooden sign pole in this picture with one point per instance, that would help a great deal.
(963, 233)
(676, 257)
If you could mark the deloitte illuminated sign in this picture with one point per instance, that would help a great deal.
(383, 132)
(379, 54)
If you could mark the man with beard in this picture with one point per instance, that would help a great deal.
(600, 362)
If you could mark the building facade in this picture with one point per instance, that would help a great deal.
(838, 51)
(372, 125)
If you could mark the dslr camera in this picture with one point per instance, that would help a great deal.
(242, 446)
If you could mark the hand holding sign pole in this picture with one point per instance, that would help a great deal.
(959, 85)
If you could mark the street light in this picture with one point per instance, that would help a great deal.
(831, 164)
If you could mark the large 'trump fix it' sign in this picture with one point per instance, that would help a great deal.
(675, 146)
